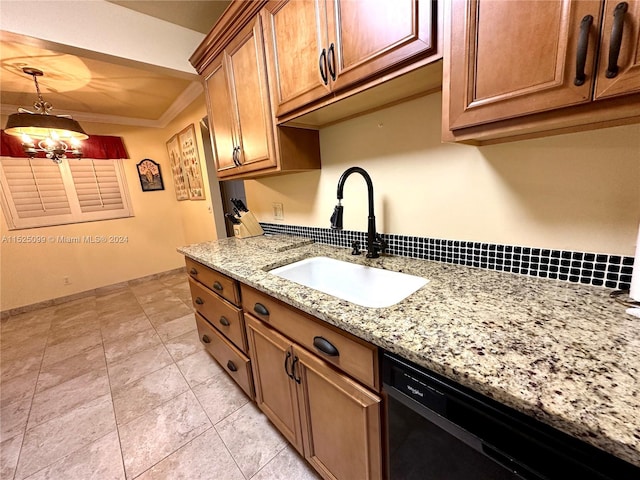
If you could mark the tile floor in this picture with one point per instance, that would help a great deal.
(118, 386)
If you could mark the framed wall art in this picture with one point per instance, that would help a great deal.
(191, 163)
(150, 176)
(177, 172)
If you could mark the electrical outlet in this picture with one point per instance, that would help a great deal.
(66, 280)
(278, 211)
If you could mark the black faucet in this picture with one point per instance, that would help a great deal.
(375, 244)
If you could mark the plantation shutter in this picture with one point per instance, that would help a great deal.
(36, 187)
(96, 184)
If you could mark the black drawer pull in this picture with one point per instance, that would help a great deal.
(286, 367)
(232, 366)
(223, 321)
(206, 339)
(193, 271)
(199, 301)
(583, 46)
(325, 346)
(260, 309)
(217, 286)
(293, 369)
(616, 39)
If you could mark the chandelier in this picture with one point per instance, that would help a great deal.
(55, 135)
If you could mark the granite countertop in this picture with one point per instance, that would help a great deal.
(564, 353)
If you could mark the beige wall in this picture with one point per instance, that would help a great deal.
(34, 273)
(579, 191)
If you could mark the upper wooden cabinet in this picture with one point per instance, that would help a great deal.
(537, 66)
(316, 47)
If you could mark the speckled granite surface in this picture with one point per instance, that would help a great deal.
(564, 353)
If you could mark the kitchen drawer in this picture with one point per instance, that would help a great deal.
(221, 284)
(354, 356)
(229, 357)
(221, 314)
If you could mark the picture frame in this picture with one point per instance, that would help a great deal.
(150, 175)
(177, 172)
(191, 168)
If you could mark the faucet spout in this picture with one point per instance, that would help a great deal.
(375, 244)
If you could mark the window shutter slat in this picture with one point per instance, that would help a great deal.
(97, 185)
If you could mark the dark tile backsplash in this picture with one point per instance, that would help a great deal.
(599, 269)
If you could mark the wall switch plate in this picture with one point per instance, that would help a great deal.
(278, 211)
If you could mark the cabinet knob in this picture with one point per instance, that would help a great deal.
(325, 346)
(616, 39)
(260, 309)
(206, 339)
(217, 286)
(224, 322)
(232, 366)
(583, 46)
(199, 301)
(193, 271)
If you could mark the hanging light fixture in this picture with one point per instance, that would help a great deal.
(55, 135)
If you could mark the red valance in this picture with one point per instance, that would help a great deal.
(96, 146)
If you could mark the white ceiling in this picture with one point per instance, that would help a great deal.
(121, 62)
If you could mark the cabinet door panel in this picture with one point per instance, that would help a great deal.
(221, 116)
(296, 34)
(509, 59)
(251, 96)
(372, 35)
(628, 78)
(341, 421)
(275, 390)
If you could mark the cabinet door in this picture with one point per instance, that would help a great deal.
(366, 37)
(341, 421)
(509, 59)
(250, 92)
(271, 361)
(221, 115)
(295, 37)
(627, 78)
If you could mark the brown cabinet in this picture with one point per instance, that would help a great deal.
(331, 419)
(316, 47)
(513, 60)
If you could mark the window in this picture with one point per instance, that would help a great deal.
(38, 192)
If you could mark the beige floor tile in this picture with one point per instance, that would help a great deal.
(148, 392)
(184, 345)
(120, 348)
(204, 458)
(13, 419)
(33, 321)
(154, 296)
(138, 365)
(84, 362)
(286, 465)
(18, 388)
(250, 438)
(57, 438)
(74, 317)
(150, 438)
(22, 357)
(9, 452)
(100, 460)
(146, 287)
(120, 312)
(37, 328)
(220, 397)
(166, 310)
(64, 397)
(175, 279)
(199, 367)
(125, 327)
(177, 327)
(79, 328)
(69, 348)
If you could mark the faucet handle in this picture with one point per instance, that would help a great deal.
(356, 247)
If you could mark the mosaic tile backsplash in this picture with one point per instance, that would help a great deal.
(598, 269)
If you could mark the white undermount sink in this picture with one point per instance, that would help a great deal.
(367, 286)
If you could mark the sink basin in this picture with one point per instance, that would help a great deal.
(367, 286)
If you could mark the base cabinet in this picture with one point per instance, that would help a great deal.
(331, 419)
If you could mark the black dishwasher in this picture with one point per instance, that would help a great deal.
(438, 430)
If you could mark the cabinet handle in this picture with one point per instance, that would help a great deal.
(232, 366)
(325, 346)
(217, 286)
(286, 366)
(331, 61)
(206, 339)
(583, 46)
(260, 309)
(223, 321)
(293, 369)
(199, 301)
(616, 39)
(236, 156)
(323, 66)
(193, 271)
